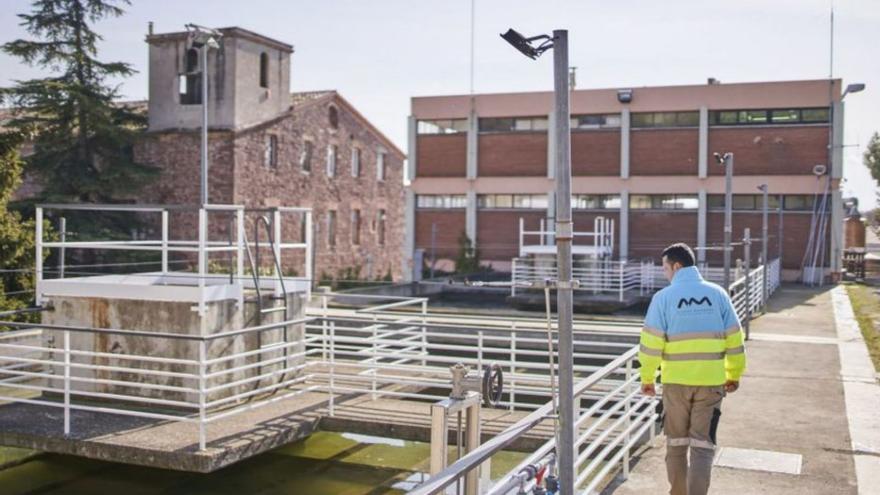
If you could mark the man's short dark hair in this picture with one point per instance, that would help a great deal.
(679, 253)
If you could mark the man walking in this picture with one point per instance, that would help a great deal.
(693, 335)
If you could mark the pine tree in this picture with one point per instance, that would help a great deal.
(83, 140)
(871, 156)
(16, 235)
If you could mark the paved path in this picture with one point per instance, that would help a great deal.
(794, 399)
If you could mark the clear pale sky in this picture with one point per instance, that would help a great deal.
(379, 53)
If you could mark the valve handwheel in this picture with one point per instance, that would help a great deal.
(493, 384)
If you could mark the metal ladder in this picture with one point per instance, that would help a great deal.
(254, 262)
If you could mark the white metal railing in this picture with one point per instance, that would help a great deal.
(607, 429)
(600, 239)
(202, 246)
(597, 276)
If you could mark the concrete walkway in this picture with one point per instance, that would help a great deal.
(793, 400)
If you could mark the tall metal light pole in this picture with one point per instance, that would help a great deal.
(726, 160)
(204, 39)
(565, 450)
(764, 262)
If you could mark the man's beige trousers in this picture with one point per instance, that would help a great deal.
(691, 419)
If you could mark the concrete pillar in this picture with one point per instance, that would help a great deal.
(624, 143)
(624, 225)
(703, 157)
(472, 145)
(701, 226)
(551, 147)
(412, 152)
(551, 216)
(836, 231)
(837, 141)
(409, 240)
(470, 218)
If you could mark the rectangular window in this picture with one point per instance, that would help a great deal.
(664, 202)
(355, 226)
(665, 119)
(331, 228)
(753, 202)
(270, 152)
(798, 202)
(513, 201)
(449, 126)
(606, 121)
(517, 124)
(190, 89)
(355, 162)
(780, 116)
(380, 166)
(441, 201)
(381, 227)
(305, 159)
(332, 150)
(595, 202)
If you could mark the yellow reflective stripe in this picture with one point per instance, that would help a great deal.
(693, 356)
(650, 352)
(701, 345)
(696, 335)
(654, 332)
(736, 350)
(710, 373)
(732, 330)
(652, 341)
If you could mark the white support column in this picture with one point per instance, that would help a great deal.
(409, 241)
(836, 231)
(703, 156)
(701, 226)
(624, 225)
(624, 144)
(412, 150)
(164, 242)
(38, 256)
(470, 219)
(550, 240)
(472, 145)
(837, 142)
(551, 147)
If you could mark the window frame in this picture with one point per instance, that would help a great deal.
(264, 70)
(332, 155)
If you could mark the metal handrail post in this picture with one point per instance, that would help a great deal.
(164, 242)
(61, 252)
(620, 297)
(512, 364)
(66, 383)
(332, 367)
(38, 261)
(203, 368)
(309, 252)
(424, 332)
(747, 245)
(728, 215)
(627, 412)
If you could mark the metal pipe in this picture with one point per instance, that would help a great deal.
(747, 249)
(564, 302)
(765, 294)
(204, 150)
(728, 215)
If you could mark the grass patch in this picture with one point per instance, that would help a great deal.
(866, 305)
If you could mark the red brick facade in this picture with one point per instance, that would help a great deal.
(651, 231)
(498, 232)
(595, 152)
(441, 155)
(513, 154)
(450, 225)
(792, 150)
(664, 151)
(239, 174)
(795, 233)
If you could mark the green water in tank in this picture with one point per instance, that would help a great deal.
(324, 463)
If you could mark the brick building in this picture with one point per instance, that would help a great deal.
(479, 164)
(268, 147)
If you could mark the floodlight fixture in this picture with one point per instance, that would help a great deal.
(200, 36)
(624, 95)
(762, 187)
(853, 88)
(528, 46)
(721, 158)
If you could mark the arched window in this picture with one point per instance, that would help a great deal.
(264, 70)
(191, 79)
(333, 117)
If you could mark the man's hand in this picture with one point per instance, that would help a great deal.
(731, 386)
(648, 389)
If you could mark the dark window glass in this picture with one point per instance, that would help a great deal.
(752, 117)
(333, 117)
(381, 227)
(448, 126)
(666, 119)
(814, 115)
(785, 116)
(355, 226)
(743, 202)
(264, 70)
(305, 160)
(331, 228)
